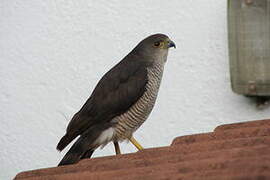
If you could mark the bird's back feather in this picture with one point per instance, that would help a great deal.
(114, 94)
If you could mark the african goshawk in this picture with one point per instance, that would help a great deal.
(120, 103)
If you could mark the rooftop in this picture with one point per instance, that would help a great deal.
(232, 151)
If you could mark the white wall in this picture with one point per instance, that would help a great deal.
(53, 53)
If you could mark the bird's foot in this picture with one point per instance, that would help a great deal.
(117, 148)
(136, 143)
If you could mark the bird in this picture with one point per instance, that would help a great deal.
(120, 103)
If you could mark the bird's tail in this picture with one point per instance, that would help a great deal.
(77, 151)
(65, 140)
(83, 147)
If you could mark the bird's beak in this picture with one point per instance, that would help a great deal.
(171, 44)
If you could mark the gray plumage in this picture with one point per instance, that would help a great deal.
(121, 101)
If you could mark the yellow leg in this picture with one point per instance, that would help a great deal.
(117, 148)
(135, 143)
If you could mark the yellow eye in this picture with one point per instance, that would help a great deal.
(157, 44)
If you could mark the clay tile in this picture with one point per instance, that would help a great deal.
(234, 151)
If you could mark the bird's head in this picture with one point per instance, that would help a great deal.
(155, 47)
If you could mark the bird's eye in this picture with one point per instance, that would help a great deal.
(157, 44)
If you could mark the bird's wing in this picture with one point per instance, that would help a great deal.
(115, 93)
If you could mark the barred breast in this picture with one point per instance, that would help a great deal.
(131, 120)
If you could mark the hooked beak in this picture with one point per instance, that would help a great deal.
(171, 44)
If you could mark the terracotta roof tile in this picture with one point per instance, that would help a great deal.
(245, 132)
(235, 151)
(260, 123)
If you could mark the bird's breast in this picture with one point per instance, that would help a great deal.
(132, 119)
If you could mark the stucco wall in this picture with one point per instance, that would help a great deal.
(53, 53)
